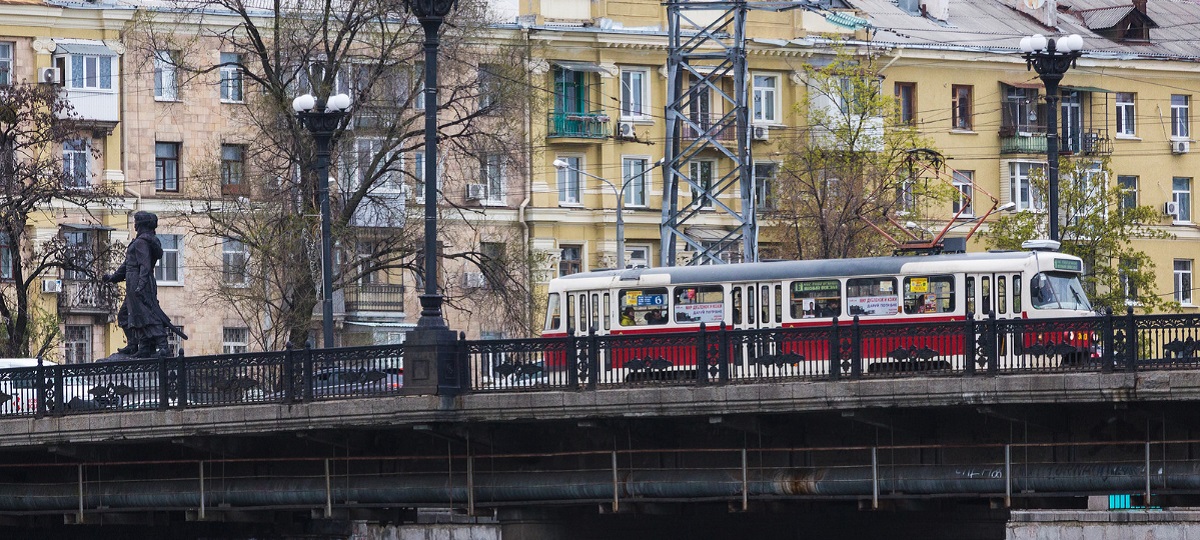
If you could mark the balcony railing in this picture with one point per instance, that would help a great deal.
(375, 297)
(1022, 143)
(87, 297)
(1088, 143)
(579, 125)
(709, 125)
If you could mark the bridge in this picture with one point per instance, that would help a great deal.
(846, 425)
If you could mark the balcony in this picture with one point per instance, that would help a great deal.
(709, 125)
(1088, 143)
(578, 125)
(87, 298)
(1014, 142)
(375, 297)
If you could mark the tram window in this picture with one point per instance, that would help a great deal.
(553, 312)
(570, 312)
(929, 294)
(594, 321)
(816, 298)
(735, 299)
(1002, 294)
(985, 292)
(642, 307)
(872, 297)
(607, 311)
(1016, 293)
(699, 304)
(765, 305)
(778, 303)
(750, 305)
(971, 295)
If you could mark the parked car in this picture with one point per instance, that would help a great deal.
(350, 382)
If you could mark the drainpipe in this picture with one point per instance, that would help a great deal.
(526, 229)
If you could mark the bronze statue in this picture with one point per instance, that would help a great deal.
(145, 324)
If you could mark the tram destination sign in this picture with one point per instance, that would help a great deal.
(1068, 264)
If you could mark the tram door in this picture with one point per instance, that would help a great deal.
(754, 306)
(999, 293)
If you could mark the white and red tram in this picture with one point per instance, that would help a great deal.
(787, 294)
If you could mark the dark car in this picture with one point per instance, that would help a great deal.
(346, 382)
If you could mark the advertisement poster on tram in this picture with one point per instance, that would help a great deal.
(872, 305)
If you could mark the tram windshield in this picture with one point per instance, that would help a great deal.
(1058, 290)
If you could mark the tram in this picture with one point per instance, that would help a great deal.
(1037, 284)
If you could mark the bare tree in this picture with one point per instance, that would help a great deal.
(369, 49)
(35, 122)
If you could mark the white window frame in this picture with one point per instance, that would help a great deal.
(231, 248)
(6, 259)
(765, 96)
(569, 180)
(78, 349)
(166, 180)
(75, 152)
(1128, 191)
(637, 190)
(1126, 114)
(418, 101)
(639, 109)
(170, 253)
(1182, 271)
(582, 257)
(1094, 189)
(6, 62)
(696, 172)
(1183, 199)
(235, 340)
(964, 183)
(91, 71)
(762, 186)
(233, 85)
(493, 175)
(419, 178)
(630, 258)
(166, 80)
(1180, 117)
(1017, 179)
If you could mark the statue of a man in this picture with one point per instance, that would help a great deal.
(145, 325)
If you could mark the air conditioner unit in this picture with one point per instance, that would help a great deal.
(474, 280)
(1171, 208)
(761, 133)
(625, 130)
(49, 75)
(1181, 147)
(477, 191)
(52, 286)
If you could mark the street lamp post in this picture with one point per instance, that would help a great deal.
(432, 364)
(1051, 59)
(322, 117)
(562, 164)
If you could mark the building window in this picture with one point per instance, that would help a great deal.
(1183, 281)
(961, 108)
(419, 76)
(764, 180)
(170, 266)
(82, 256)
(166, 166)
(419, 175)
(1125, 269)
(1129, 191)
(1179, 116)
(766, 98)
(234, 263)
(6, 257)
(635, 94)
(569, 186)
(174, 342)
(1126, 114)
(1181, 193)
(906, 100)
(233, 181)
(489, 85)
(570, 260)
(1019, 111)
(6, 62)
(76, 158)
(231, 77)
(701, 173)
(78, 341)
(637, 256)
(492, 257)
(235, 340)
(165, 85)
(1021, 191)
(964, 182)
(492, 166)
(633, 177)
(86, 71)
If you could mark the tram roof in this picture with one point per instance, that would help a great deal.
(777, 270)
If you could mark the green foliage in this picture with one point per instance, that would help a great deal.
(1094, 227)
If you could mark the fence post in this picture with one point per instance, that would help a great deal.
(1131, 341)
(855, 349)
(308, 371)
(571, 358)
(593, 359)
(969, 345)
(181, 387)
(701, 357)
(993, 346)
(289, 373)
(39, 409)
(164, 397)
(1106, 342)
(723, 353)
(835, 352)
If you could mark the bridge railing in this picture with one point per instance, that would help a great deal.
(845, 349)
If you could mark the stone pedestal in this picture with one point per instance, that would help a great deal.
(433, 363)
